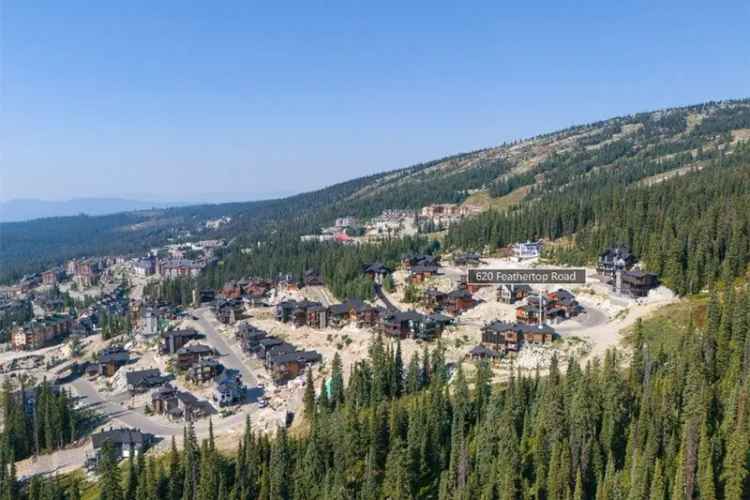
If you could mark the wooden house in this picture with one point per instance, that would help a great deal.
(377, 271)
(189, 355)
(204, 370)
(512, 293)
(173, 340)
(614, 258)
(420, 272)
(286, 366)
(481, 352)
(501, 336)
(458, 301)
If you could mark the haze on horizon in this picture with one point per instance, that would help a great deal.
(175, 102)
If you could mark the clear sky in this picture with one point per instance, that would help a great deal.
(237, 100)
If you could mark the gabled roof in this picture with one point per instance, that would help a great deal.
(188, 332)
(138, 377)
(122, 437)
(376, 267)
(410, 315)
(424, 268)
(195, 349)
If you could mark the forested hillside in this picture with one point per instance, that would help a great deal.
(674, 424)
(642, 148)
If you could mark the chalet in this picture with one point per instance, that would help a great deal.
(501, 336)
(565, 301)
(317, 316)
(312, 278)
(507, 337)
(420, 272)
(108, 361)
(204, 370)
(511, 293)
(143, 380)
(403, 324)
(265, 345)
(173, 341)
(458, 301)
(528, 249)
(634, 283)
(376, 271)
(481, 352)
(467, 259)
(536, 334)
(125, 442)
(551, 308)
(229, 388)
(400, 324)
(249, 336)
(286, 366)
(527, 314)
(284, 310)
(352, 311)
(612, 259)
(189, 355)
(167, 400)
(410, 260)
(229, 311)
(299, 313)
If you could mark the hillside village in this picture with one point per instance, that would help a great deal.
(142, 346)
(246, 348)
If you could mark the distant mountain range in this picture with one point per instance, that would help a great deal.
(27, 209)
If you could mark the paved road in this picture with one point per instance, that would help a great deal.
(113, 409)
(378, 290)
(230, 355)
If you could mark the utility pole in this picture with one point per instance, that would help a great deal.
(542, 292)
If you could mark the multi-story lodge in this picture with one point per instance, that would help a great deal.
(634, 283)
(178, 268)
(38, 333)
(612, 259)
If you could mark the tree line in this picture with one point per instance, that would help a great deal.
(673, 424)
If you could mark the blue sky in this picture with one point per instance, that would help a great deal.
(237, 100)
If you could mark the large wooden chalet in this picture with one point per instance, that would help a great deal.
(508, 337)
(614, 258)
